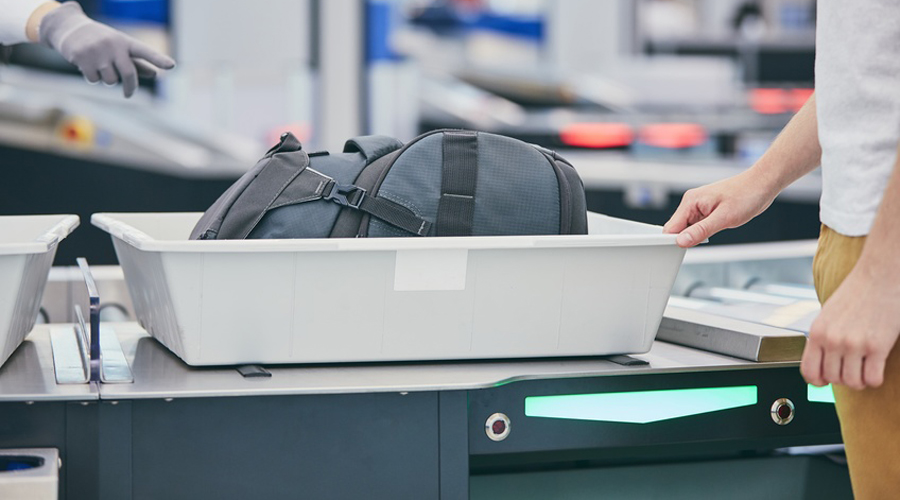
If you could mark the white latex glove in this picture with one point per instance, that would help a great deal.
(100, 52)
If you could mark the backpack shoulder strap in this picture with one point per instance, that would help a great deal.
(266, 189)
(210, 225)
(372, 147)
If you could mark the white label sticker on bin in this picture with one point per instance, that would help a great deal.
(430, 270)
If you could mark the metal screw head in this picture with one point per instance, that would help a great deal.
(782, 411)
(497, 427)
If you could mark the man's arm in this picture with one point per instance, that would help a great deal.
(732, 202)
(14, 18)
(101, 53)
(850, 340)
(34, 21)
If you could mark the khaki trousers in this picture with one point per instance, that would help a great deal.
(870, 419)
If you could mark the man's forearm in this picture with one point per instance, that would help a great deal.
(879, 259)
(794, 153)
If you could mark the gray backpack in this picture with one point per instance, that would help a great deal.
(442, 183)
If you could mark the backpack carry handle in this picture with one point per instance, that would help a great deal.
(372, 147)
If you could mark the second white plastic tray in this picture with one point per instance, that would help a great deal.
(27, 248)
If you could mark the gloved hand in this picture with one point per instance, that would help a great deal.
(100, 52)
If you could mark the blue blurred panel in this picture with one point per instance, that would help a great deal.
(154, 11)
(380, 18)
(530, 28)
(444, 19)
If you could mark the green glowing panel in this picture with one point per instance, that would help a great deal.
(819, 394)
(640, 407)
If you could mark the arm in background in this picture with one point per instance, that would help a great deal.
(732, 202)
(101, 53)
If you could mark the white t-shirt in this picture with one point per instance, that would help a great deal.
(14, 16)
(858, 107)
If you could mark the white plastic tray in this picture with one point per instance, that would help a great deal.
(27, 247)
(394, 299)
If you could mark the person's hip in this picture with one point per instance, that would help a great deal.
(835, 257)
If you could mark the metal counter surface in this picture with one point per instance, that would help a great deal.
(160, 374)
(28, 374)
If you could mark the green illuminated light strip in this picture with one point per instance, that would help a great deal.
(640, 407)
(819, 394)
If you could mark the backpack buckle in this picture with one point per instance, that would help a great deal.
(346, 195)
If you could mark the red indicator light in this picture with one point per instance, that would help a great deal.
(673, 135)
(777, 101)
(301, 131)
(769, 101)
(784, 411)
(497, 427)
(799, 97)
(597, 135)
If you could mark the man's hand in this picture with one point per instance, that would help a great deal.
(732, 202)
(850, 340)
(99, 52)
(726, 204)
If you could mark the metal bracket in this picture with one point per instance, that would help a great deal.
(71, 357)
(93, 353)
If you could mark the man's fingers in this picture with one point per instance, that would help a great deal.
(873, 371)
(679, 219)
(811, 365)
(831, 366)
(155, 58)
(851, 371)
(702, 229)
(129, 75)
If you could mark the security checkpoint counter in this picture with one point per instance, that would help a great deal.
(446, 429)
(37, 413)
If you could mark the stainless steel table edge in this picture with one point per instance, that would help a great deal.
(159, 374)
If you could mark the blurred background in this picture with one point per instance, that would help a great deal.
(647, 98)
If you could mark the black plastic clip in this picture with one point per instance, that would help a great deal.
(346, 195)
(627, 360)
(253, 371)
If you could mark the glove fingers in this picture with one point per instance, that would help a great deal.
(144, 69)
(142, 51)
(91, 75)
(109, 75)
(129, 75)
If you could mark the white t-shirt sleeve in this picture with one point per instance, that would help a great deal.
(14, 16)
